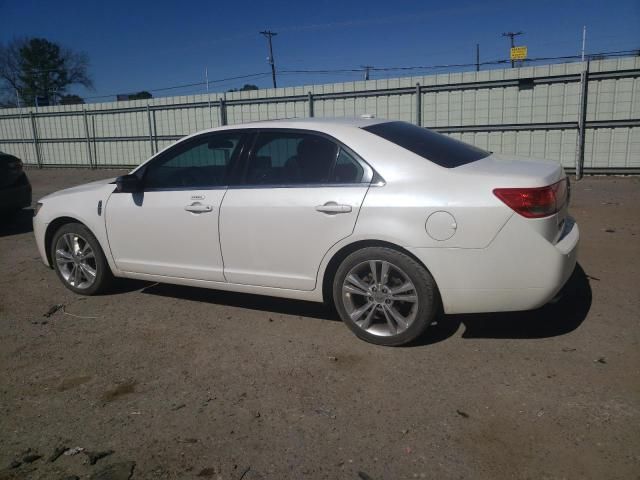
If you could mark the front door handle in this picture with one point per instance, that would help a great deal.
(198, 207)
(333, 208)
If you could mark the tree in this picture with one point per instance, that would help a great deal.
(143, 95)
(37, 68)
(71, 100)
(245, 87)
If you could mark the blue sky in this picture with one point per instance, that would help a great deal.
(153, 44)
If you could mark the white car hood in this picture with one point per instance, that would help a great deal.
(86, 187)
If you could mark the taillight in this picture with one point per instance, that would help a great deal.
(535, 202)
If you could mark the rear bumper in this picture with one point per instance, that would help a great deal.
(16, 196)
(519, 270)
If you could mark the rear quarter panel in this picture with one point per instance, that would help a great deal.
(414, 188)
(398, 212)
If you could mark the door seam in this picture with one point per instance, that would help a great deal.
(220, 235)
(364, 197)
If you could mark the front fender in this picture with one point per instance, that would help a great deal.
(79, 206)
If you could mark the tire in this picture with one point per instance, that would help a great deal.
(75, 253)
(401, 306)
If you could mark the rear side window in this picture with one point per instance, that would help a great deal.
(283, 158)
(435, 147)
(346, 169)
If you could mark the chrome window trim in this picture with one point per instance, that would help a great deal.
(299, 185)
(369, 177)
(184, 189)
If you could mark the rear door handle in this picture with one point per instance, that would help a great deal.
(333, 208)
(198, 207)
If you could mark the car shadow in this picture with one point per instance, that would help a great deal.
(16, 223)
(245, 300)
(554, 319)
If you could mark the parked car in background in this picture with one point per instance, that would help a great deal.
(15, 189)
(388, 220)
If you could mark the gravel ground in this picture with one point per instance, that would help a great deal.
(191, 383)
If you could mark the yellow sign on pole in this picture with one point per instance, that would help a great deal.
(518, 53)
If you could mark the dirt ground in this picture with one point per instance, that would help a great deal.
(191, 383)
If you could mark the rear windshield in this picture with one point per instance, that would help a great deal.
(440, 149)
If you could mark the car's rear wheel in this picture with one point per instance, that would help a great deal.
(79, 261)
(384, 296)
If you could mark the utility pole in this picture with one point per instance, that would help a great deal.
(584, 40)
(477, 57)
(206, 77)
(367, 69)
(268, 35)
(512, 35)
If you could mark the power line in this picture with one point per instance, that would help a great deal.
(459, 65)
(634, 51)
(360, 70)
(187, 85)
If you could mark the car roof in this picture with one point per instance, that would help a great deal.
(359, 122)
(320, 124)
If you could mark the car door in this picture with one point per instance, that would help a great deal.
(170, 227)
(301, 194)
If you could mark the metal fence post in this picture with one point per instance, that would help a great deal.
(36, 145)
(88, 138)
(582, 119)
(150, 129)
(23, 135)
(155, 128)
(310, 96)
(223, 112)
(93, 137)
(418, 105)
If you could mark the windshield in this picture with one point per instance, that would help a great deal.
(435, 147)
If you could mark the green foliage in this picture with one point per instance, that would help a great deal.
(143, 95)
(245, 87)
(71, 100)
(38, 68)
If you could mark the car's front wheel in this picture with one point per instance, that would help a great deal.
(79, 261)
(384, 296)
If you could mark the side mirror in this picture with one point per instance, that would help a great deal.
(128, 184)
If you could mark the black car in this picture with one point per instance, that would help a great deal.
(15, 189)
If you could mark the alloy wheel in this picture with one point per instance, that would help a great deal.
(76, 260)
(380, 298)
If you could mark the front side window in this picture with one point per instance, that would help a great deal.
(199, 163)
(291, 158)
(440, 149)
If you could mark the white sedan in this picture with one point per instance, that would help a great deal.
(390, 221)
